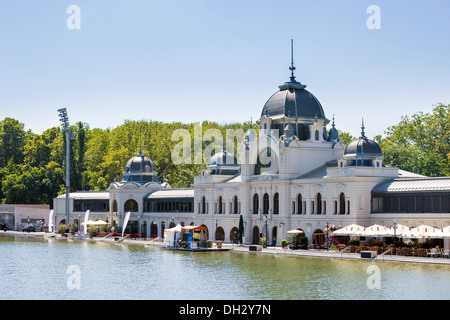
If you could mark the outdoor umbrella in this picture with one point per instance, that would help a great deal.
(350, 230)
(375, 230)
(94, 223)
(422, 231)
(295, 231)
(400, 231)
(442, 233)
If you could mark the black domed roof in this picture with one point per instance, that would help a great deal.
(223, 158)
(363, 147)
(140, 169)
(293, 101)
(223, 163)
(139, 163)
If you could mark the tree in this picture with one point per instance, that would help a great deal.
(420, 143)
(12, 140)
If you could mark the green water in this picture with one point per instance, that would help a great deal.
(40, 269)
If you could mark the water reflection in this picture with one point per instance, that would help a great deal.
(37, 269)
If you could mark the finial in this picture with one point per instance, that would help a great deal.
(315, 118)
(292, 68)
(332, 124)
(363, 136)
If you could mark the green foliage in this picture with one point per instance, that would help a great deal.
(284, 243)
(62, 228)
(420, 143)
(32, 166)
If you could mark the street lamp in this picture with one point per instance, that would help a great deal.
(327, 234)
(65, 125)
(395, 235)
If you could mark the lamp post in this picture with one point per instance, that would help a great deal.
(395, 235)
(65, 125)
(327, 233)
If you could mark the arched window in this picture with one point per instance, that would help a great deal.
(299, 204)
(203, 205)
(130, 205)
(235, 205)
(220, 205)
(255, 203)
(319, 203)
(316, 135)
(266, 204)
(276, 203)
(342, 203)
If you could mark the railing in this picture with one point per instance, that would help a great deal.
(383, 254)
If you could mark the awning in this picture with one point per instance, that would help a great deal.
(191, 228)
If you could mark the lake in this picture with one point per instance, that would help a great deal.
(82, 270)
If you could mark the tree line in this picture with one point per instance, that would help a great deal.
(32, 166)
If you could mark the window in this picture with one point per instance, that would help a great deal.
(220, 204)
(276, 204)
(319, 203)
(342, 203)
(235, 205)
(299, 204)
(131, 205)
(316, 135)
(266, 204)
(255, 203)
(203, 205)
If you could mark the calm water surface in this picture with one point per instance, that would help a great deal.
(38, 269)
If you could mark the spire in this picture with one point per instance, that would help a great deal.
(140, 141)
(363, 135)
(332, 124)
(292, 68)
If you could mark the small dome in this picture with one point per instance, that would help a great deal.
(363, 147)
(223, 163)
(139, 163)
(140, 169)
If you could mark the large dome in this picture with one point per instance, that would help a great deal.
(293, 101)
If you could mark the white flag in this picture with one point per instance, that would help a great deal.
(125, 222)
(50, 221)
(86, 218)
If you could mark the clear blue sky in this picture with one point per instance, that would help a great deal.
(194, 60)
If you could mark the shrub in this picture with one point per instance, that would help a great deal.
(353, 243)
(263, 241)
(376, 243)
(284, 243)
(62, 228)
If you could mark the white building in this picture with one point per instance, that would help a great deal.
(294, 175)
